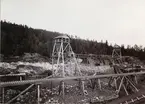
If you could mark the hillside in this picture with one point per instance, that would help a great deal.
(19, 39)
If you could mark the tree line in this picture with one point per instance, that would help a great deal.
(19, 39)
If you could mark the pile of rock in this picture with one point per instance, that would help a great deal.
(29, 69)
(4, 71)
(34, 57)
(25, 67)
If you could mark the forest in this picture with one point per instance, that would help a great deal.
(19, 39)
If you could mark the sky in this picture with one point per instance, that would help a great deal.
(118, 21)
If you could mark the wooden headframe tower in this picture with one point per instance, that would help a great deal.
(63, 58)
(116, 54)
(125, 81)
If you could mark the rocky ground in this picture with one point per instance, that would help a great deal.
(34, 64)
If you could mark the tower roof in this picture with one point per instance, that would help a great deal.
(116, 46)
(62, 36)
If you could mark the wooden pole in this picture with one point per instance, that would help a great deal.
(51, 86)
(115, 82)
(63, 93)
(54, 46)
(110, 81)
(20, 78)
(99, 83)
(62, 54)
(120, 85)
(38, 94)
(83, 86)
(3, 95)
(125, 90)
(135, 78)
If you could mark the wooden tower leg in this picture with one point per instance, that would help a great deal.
(120, 85)
(125, 90)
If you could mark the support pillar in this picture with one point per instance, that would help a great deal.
(135, 78)
(115, 83)
(99, 83)
(38, 94)
(20, 78)
(63, 88)
(3, 95)
(83, 86)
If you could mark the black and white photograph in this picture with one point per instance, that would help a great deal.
(72, 52)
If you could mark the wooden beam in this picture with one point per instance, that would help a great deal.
(20, 94)
(14, 83)
(20, 74)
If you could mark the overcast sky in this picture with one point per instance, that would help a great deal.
(118, 21)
